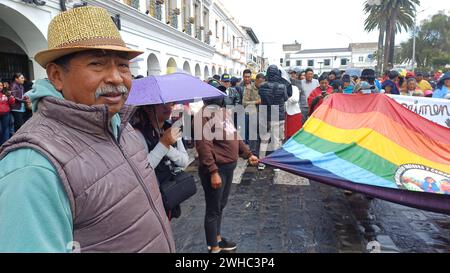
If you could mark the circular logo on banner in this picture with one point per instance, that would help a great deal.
(421, 178)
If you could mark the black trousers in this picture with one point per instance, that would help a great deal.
(19, 120)
(216, 200)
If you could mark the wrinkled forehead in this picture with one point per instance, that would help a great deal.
(102, 54)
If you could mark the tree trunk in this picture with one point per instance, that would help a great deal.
(392, 51)
(386, 45)
(390, 32)
(380, 50)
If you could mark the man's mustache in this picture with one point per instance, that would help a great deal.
(111, 90)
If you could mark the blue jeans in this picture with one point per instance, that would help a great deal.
(5, 120)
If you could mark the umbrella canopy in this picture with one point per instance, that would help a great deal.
(177, 87)
(353, 72)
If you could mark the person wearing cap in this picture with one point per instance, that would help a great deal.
(293, 75)
(443, 87)
(423, 84)
(234, 97)
(75, 177)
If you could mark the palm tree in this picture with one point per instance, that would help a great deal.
(390, 17)
(376, 20)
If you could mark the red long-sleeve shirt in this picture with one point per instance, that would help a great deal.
(318, 92)
(5, 103)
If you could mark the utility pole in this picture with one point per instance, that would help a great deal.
(414, 43)
(413, 59)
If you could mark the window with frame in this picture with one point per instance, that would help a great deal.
(217, 29)
(299, 63)
(327, 62)
(310, 62)
(132, 3)
(288, 63)
(344, 61)
(361, 59)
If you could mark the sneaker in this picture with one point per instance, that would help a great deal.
(261, 166)
(227, 245)
(210, 251)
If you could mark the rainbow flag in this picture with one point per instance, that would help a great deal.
(372, 145)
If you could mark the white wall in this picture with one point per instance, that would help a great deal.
(139, 31)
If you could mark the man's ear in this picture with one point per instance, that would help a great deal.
(55, 74)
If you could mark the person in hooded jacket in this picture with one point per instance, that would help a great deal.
(443, 87)
(274, 94)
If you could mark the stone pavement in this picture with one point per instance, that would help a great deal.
(272, 212)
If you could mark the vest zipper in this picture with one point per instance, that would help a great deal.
(141, 182)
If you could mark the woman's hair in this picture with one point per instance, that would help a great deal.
(140, 118)
(411, 80)
(16, 76)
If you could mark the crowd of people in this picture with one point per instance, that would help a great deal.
(85, 168)
(15, 106)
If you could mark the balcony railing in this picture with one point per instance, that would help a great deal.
(174, 20)
(134, 4)
(158, 12)
(207, 39)
(188, 28)
(198, 33)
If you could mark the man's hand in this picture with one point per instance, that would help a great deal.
(216, 181)
(253, 160)
(170, 136)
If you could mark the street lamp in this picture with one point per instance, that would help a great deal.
(413, 59)
(320, 67)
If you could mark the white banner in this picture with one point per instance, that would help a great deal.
(436, 110)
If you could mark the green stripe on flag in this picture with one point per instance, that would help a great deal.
(352, 153)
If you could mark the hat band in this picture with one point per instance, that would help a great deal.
(94, 42)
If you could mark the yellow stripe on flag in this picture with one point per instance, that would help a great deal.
(372, 141)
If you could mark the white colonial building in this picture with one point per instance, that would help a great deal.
(356, 55)
(196, 36)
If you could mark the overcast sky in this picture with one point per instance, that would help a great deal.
(313, 23)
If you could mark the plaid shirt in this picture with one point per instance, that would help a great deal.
(251, 95)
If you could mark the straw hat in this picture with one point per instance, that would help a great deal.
(81, 29)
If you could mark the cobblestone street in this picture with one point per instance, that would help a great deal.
(286, 214)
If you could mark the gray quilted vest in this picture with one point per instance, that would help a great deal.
(114, 196)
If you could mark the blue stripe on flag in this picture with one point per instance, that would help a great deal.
(336, 165)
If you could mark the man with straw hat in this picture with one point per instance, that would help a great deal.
(75, 177)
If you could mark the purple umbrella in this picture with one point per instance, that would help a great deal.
(177, 87)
